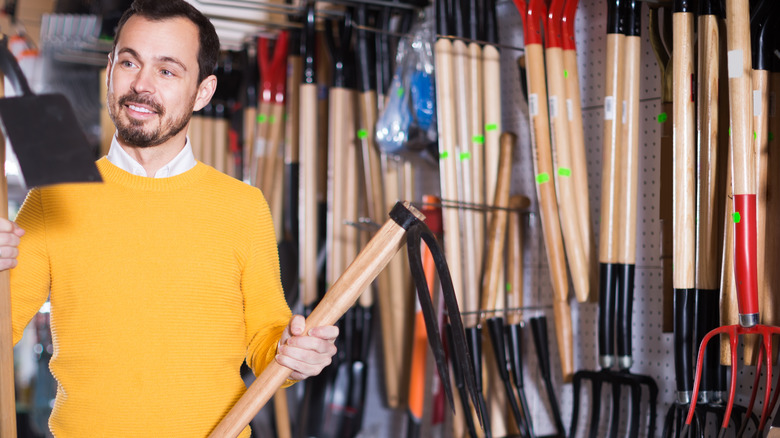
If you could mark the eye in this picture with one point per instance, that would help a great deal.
(167, 73)
(126, 63)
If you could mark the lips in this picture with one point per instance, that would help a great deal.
(140, 105)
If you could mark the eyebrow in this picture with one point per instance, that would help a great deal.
(170, 59)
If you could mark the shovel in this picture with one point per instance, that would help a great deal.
(51, 148)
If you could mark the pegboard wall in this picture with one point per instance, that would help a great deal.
(652, 349)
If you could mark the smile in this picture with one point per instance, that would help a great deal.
(140, 109)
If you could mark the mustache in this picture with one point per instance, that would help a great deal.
(142, 100)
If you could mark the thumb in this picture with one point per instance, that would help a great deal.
(297, 325)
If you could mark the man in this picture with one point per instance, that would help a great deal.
(164, 279)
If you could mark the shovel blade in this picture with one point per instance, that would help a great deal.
(48, 140)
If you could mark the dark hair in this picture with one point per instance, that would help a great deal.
(156, 10)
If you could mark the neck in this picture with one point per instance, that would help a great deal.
(152, 158)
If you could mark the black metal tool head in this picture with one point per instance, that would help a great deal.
(44, 132)
(417, 232)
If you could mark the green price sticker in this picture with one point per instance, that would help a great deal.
(491, 127)
(443, 155)
(262, 118)
(362, 133)
(736, 217)
(479, 139)
(542, 178)
(464, 156)
(663, 117)
(564, 171)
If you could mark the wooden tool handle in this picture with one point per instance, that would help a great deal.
(491, 72)
(341, 296)
(610, 160)
(548, 206)
(562, 170)
(629, 159)
(709, 203)
(273, 146)
(684, 151)
(515, 259)
(307, 201)
(7, 394)
(743, 158)
(496, 235)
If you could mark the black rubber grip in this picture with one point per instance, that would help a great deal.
(496, 331)
(365, 52)
(710, 7)
(474, 339)
(490, 28)
(615, 16)
(707, 317)
(514, 347)
(683, 338)
(625, 305)
(307, 45)
(607, 280)
(633, 18)
(539, 331)
(682, 6)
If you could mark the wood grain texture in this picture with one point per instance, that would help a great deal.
(548, 206)
(496, 236)
(629, 158)
(491, 73)
(341, 296)
(684, 151)
(611, 149)
(477, 161)
(708, 199)
(565, 184)
(307, 198)
(514, 259)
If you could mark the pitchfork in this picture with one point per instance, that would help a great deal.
(744, 217)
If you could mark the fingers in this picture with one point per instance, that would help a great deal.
(306, 354)
(10, 234)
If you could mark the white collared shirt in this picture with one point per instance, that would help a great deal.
(181, 163)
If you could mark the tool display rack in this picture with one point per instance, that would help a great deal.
(652, 349)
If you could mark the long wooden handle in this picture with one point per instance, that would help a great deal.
(772, 240)
(338, 192)
(341, 296)
(477, 160)
(610, 176)
(564, 179)
(629, 158)
(268, 176)
(7, 395)
(514, 259)
(307, 201)
(743, 158)
(548, 206)
(496, 236)
(708, 198)
(684, 151)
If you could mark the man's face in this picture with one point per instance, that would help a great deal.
(152, 81)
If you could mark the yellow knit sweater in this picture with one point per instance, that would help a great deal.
(160, 288)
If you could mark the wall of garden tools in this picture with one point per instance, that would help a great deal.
(586, 219)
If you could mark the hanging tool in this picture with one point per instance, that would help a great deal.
(542, 344)
(513, 331)
(405, 221)
(51, 148)
(684, 126)
(273, 77)
(565, 181)
(744, 197)
(661, 41)
(579, 162)
(496, 238)
(533, 14)
(491, 78)
(417, 378)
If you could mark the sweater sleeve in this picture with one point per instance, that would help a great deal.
(266, 311)
(30, 279)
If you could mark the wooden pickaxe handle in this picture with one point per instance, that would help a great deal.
(341, 296)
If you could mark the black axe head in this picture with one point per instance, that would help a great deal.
(44, 132)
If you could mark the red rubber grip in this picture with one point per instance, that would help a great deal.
(745, 255)
(554, 36)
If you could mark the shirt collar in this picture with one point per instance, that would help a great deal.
(181, 163)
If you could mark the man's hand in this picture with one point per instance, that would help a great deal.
(9, 243)
(306, 354)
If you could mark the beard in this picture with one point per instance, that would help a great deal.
(134, 133)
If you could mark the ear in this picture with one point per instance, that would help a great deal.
(109, 65)
(205, 92)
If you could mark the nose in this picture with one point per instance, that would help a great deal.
(143, 81)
